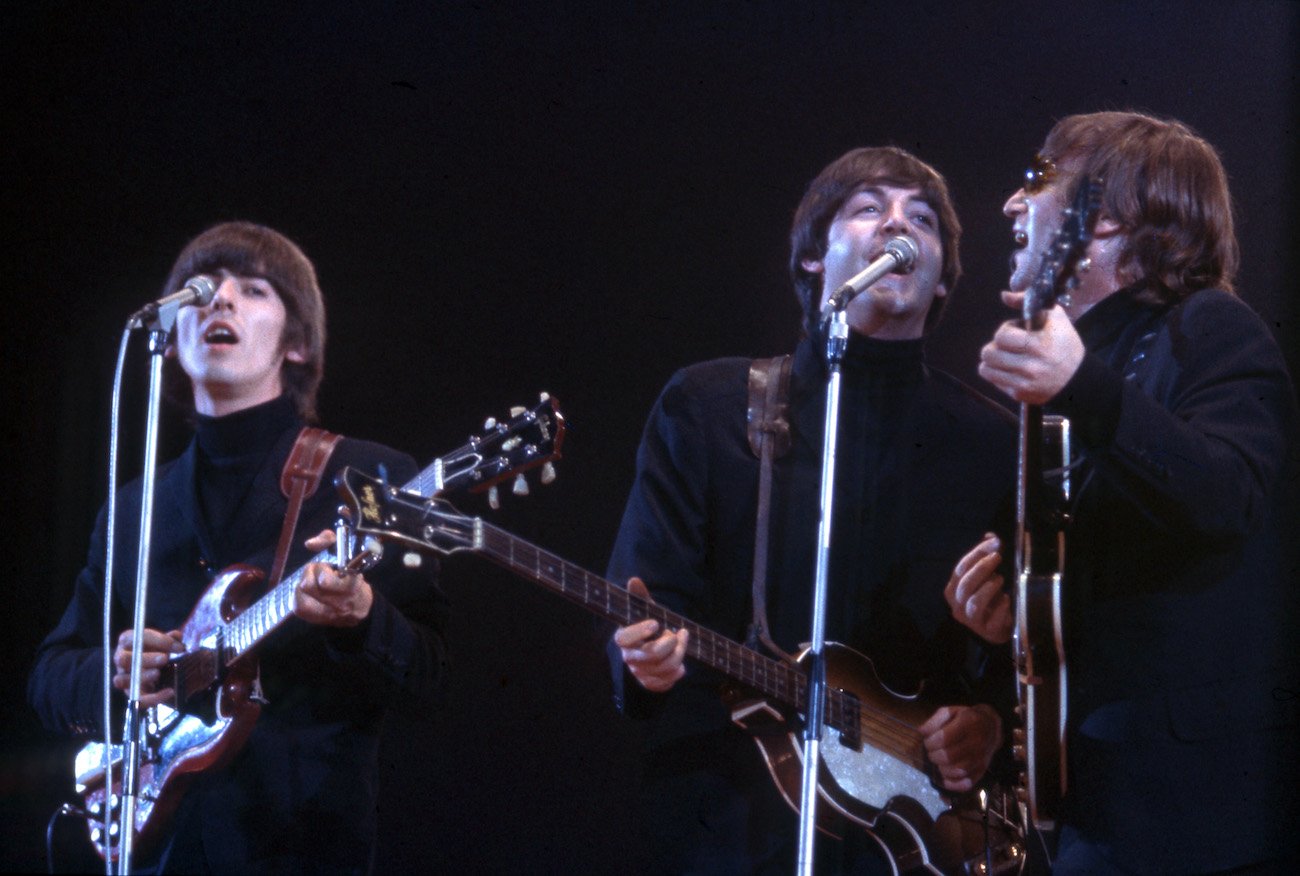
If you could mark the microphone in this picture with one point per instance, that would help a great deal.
(199, 290)
(899, 255)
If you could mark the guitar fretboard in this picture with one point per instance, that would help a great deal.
(255, 623)
(779, 681)
(467, 463)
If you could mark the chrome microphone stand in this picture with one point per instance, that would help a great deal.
(159, 323)
(837, 334)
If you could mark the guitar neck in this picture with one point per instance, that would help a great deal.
(250, 627)
(776, 680)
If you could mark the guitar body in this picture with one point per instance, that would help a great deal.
(918, 827)
(1038, 638)
(1042, 502)
(1041, 666)
(200, 730)
(218, 697)
(874, 775)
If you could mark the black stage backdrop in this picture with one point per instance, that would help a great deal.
(505, 198)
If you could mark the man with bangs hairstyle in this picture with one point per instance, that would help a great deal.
(300, 795)
(923, 462)
(1181, 679)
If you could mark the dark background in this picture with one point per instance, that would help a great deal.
(508, 198)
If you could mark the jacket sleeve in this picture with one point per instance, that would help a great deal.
(1202, 454)
(65, 686)
(398, 653)
(663, 534)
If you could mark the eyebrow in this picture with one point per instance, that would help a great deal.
(879, 192)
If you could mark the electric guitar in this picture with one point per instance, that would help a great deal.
(218, 697)
(1038, 635)
(875, 774)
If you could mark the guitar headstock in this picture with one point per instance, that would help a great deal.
(1057, 272)
(530, 439)
(387, 514)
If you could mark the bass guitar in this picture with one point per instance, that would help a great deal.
(1042, 493)
(217, 695)
(875, 775)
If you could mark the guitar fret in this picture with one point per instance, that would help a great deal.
(774, 679)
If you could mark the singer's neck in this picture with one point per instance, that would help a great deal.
(215, 397)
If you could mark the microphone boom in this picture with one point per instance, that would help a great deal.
(899, 255)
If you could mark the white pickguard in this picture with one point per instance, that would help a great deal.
(868, 775)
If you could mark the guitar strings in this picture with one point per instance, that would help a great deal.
(889, 733)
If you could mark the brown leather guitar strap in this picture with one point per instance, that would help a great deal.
(769, 437)
(299, 480)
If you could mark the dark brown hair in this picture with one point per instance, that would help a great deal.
(1166, 188)
(252, 250)
(838, 181)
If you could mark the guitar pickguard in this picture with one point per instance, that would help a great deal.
(875, 778)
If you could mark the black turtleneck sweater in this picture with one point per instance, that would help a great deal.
(300, 794)
(231, 450)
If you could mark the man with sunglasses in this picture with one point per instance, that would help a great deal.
(1174, 591)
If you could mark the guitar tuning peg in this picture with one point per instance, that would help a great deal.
(548, 473)
(517, 410)
(490, 423)
(494, 498)
(521, 486)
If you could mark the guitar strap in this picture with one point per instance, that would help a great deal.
(299, 480)
(769, 437)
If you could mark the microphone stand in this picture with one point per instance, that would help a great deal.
(837, 334)
(159, 326)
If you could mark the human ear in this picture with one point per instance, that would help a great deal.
(1106, 226)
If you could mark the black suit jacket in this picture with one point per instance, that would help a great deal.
(1176, 596)
(300, 795)
(916, 489)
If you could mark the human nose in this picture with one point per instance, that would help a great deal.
(226, 294)
(896, 221)
(1015, 204)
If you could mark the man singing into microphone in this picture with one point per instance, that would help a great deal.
(922, 464)
(1181, 733)
(299, 796)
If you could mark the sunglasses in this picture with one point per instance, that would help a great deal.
(1040, 173)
